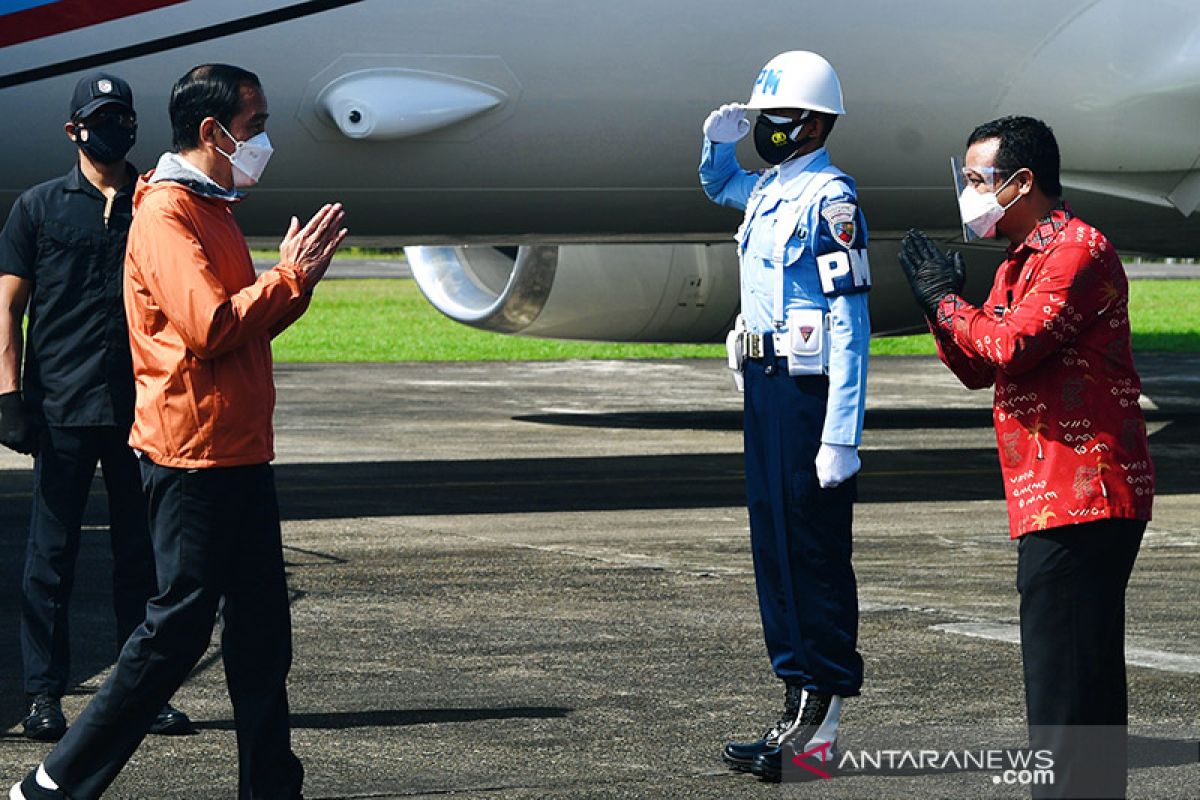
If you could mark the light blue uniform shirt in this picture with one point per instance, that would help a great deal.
(824, 261)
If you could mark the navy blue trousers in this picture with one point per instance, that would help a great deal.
(217, 546)
(799, 534)
(62, 477)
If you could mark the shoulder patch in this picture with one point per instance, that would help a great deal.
(840, 219)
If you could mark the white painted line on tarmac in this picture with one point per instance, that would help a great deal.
(1135, 656)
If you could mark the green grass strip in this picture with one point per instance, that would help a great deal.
(1164, 315)
(389, 320)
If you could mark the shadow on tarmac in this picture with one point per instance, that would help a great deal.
(1145, 752)
(492, 486)
(687, 480)
(892, 419)
(404, 717)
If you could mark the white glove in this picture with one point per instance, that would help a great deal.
(836, 463)
(727, 124)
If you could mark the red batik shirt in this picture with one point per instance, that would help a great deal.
(1054, 339)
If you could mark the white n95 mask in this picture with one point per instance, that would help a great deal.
(980, 211)
(249, 158)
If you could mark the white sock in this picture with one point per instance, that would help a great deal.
(44, 780)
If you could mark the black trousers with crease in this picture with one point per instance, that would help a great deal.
(217, 547)
(1072, 582)
(62, 477)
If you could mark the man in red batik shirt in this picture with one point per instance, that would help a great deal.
(1053, 337)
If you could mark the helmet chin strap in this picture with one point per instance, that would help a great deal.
(805, 149)
(803, 119)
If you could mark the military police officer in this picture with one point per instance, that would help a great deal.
(800, 352)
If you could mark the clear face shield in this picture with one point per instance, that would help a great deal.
(960, 183)
(977, 205)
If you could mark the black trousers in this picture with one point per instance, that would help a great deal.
(1072, 582)
(800, 534)
(62, 476)
(217, 546)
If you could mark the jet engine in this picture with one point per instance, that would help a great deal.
(611, 292)
(634, 292)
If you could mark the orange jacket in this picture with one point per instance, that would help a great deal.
(200, 325)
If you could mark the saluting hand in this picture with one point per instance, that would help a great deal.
(727, 124)
(310, 249)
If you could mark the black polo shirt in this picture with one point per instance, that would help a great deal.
(78, 370)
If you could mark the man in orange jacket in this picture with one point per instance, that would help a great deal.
(200, 327)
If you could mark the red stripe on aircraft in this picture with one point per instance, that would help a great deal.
(69, 15)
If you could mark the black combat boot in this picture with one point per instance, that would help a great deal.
(815, 733)
(740, 755)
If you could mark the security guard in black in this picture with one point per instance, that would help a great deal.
(68, 241)
(70, 403)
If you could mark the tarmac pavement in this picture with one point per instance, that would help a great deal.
(533, 581)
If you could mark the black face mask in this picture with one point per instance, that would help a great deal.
(774, 142)
(107, 142)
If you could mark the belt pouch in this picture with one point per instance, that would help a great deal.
(808, 342)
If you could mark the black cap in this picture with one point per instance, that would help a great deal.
(100, 89)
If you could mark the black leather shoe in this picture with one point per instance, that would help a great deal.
(171, 722)
(45, 721)
(28, 789)
(740, 755)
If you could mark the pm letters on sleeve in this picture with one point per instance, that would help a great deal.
(843, 272)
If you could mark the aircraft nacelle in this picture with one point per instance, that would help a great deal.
(635, 292)
(612, 292)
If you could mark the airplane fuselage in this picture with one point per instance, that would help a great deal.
(574, 122)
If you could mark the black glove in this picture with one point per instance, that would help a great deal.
(931, 273)
(960, 271)
(16, 431)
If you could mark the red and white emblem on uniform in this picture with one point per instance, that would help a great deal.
(840, 219)
(806, 332)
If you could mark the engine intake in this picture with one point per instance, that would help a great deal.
(610, 292)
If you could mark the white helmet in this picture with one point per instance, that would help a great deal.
(798, 79)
